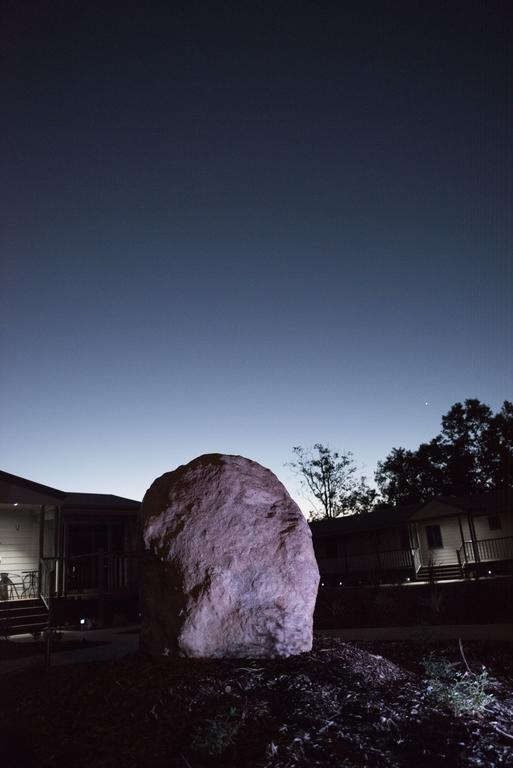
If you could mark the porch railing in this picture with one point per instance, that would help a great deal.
(89, 573)
(382, 560)
(487, 550)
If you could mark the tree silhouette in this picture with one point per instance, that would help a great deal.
(473, 453)
(329, 477)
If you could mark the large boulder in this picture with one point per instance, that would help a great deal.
(228, 567)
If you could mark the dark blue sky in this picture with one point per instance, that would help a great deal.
(244, 226)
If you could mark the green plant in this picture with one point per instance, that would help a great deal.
(216, 735)
(461, 691)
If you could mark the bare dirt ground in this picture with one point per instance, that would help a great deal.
(340, 705)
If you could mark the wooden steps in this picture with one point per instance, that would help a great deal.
(439, 573)
(18, 617)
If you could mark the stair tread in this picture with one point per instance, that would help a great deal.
(25, 619)
(25, 629)
(18, 617)
(27, 623)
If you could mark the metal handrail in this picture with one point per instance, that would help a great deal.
(461, 552)
(46, 588)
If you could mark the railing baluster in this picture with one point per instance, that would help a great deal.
(490, 549)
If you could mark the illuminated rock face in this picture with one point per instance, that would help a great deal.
(228, 567)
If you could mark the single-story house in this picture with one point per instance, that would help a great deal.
(443, 538)
(58, 548)
(76, 555)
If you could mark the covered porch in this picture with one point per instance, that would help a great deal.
(26, 532)
(45, 553)
(57, 546)
(462, 540)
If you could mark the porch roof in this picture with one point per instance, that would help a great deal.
(10, 484)
(389, 517)
(106, 500)
(15, 489)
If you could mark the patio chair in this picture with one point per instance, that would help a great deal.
(8, 586)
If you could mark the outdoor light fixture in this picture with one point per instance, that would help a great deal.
(322, 583)
(82, 621)
(15, 504)
(489, 573)
(407, 578)
(340, 584)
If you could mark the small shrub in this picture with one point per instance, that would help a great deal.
(462, 692)
(216, 735)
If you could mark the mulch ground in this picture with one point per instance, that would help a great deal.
(340, 705)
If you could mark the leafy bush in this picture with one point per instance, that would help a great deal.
(216, 735)
(460, 691)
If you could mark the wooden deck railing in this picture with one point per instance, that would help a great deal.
(95, 572)
(487, 550)
(378, 560)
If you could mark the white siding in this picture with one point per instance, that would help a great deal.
(451, 540)
(19, 542)
(482, 526)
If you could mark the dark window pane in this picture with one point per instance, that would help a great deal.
(434, 536)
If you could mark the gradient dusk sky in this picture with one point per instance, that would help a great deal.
(240, 227)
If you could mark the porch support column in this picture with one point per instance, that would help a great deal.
(41, 545)
(59, 563)
(412, 547)
(462, 536)
(462, 544)
(415, 544)
(474, 542)
(100, 564)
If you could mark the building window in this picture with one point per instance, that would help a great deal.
(494, 523)
(331, 548)
(434, 537)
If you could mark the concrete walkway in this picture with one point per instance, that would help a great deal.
(117, 641)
